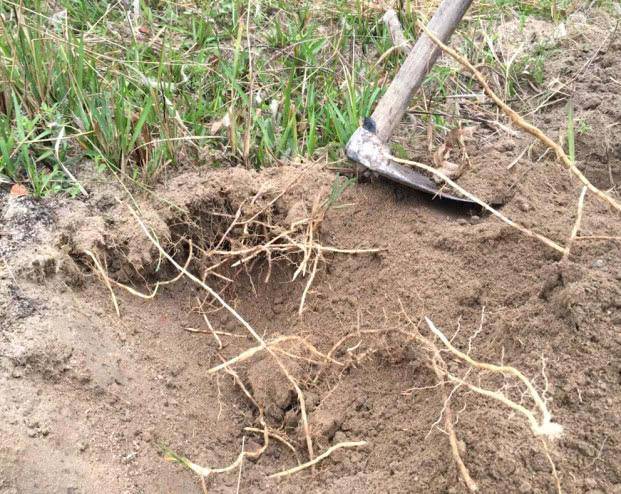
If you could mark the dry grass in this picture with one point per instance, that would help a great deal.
(520, 122)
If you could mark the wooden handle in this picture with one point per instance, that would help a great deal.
(417, 65)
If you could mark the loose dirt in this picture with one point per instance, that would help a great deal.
(88, 397)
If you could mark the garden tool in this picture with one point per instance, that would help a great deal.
(368, 146)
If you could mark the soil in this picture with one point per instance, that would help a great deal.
(89, 398)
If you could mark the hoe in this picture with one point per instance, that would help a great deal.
(368, 146)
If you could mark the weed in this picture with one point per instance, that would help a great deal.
(134, 97)
(339, 186)
(583, 127)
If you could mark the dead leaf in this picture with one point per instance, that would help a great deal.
(442, 163)
(441, 155)
(18, 190)
(453, 148)
(224, 122)
(459, 136)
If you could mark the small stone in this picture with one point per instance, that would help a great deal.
(84, 377)
(462, 221)
(538, 462)
(312, 400)
(505, 145)
(171, 384)
(598, 263)
(17, 373)
(32, 423)
(339, 437)
(177, 370)
(590, 483)
(32, 432)
(98, 390)
(82, 446)
(524, 205)
(591, 101)
(129, 457)
(474, 218)
(252, 446)
(587, 450)
(291, 419)
(525, 487)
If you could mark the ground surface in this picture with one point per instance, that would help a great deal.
(87, 397)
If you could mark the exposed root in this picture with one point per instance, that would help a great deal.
(211, 329)
(308, 284)
(472, 197)
(450, 430)
(278, 438)
(321, 457)
(272, 345)
(576, 228)
(262, 344)
(599, 237)
(250, 234)
(543, 427)
(520, 122)
(205, 472)
(557, 480)
(283, 242)
(258, 236)
(109, 281)
(106, 280)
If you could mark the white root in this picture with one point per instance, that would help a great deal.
(544, 426)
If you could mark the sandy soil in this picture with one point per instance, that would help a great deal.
(88, 398)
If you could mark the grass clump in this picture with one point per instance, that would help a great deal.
(224, 82)
(178, 84)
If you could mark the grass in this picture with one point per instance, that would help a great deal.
(139, 98)
(211, 83)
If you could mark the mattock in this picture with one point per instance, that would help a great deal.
(368, 146)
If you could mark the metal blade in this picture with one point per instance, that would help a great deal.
(415, 180)
(366, 149)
